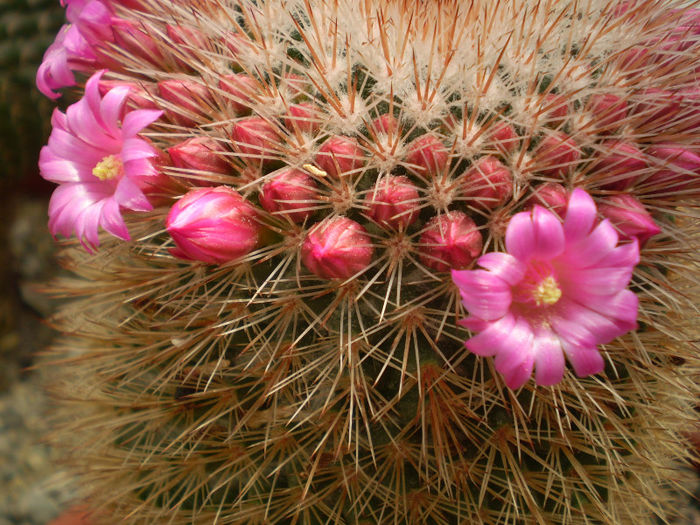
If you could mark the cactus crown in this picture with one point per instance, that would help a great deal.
(321, 375)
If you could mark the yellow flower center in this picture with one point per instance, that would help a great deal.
(108, 168)
(547, 292)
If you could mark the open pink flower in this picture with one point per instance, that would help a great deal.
(560, 290)
(96, 157)
(74, 46)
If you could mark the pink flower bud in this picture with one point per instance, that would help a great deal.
(292, 193)
(608, 111)
(634, 61)
(256, 139)
(129, 37)
(629, 217)
(386, 124)
(488, 183)
(191, 100)
(620, 165)
(393, 202)
(241, 88)
(304, 117)
(340, 155)
(201, 154)
(505, 138)
(212, 225)
(236, 43)
(450, 241)
(656, 107)
(555, 109)
(427, 156)
(139, 97)
(556, 154)
(293, 86)
(550, 195)
(679, 168)
(337, 248)
(186, 40)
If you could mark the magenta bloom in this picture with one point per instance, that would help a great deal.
(560, 290)
(96, 157)
(74, 46)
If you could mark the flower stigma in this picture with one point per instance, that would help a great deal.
(108, 168)
(547, 292)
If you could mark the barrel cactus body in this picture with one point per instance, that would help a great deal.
(283, 207)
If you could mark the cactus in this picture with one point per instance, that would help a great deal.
(314, 370)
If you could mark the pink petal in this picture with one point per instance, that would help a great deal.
(623, 255)
(603, 329)
(135, 121)
(549, 234)
(570, 332)
(517, 376)
(490, 341)
(597, 281)
(134, 149)
(111, 109)
(580, 215)
(129, 195)
(112, 220)
(484, 294)
(586, 360)
(520, 236)
(591, 249)
(57, 169)
(622, 307)
(503, 265)
(549, 358)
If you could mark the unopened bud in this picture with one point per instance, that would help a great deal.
(393, 202)
(139, 97)
(629, 217)
(607, 112)
(427, 156)
(556, 154)
(450, 241)
(290, 192)
(505, 138)
(555, 109)
(241, 88)
(340, 155)
(304, 117)
(677, 167)
(488, 183)
(129, 37)
(201, 154)
(190, 99)
(386, 123)
(256, 139)
(337, 248)
(550, 195)
(186, 40)
(619, 165)
(657, 107)
(213, 225)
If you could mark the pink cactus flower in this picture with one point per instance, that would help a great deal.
(97, 163)
(337, 248)
(69, 52)
(559, 291)
(213, 225)
(74, 46)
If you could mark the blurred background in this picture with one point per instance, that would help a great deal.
(34, 487)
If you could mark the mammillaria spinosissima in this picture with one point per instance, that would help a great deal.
(364, 153)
